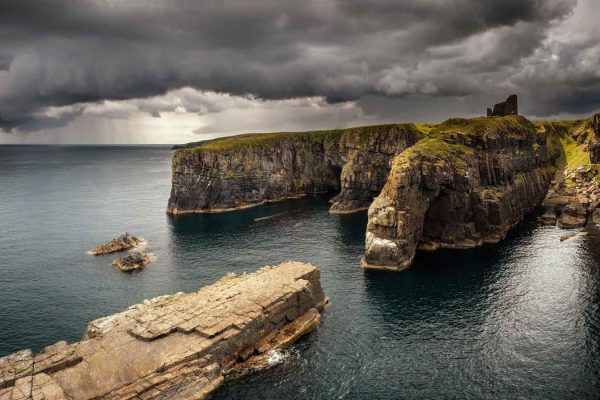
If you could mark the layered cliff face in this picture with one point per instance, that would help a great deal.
(178, 346)
(573, 200)
(466, 184)
(247, 170)
(459, 184)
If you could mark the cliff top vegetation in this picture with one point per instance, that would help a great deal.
(254, 140)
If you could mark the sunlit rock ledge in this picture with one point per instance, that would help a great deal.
(177, 346)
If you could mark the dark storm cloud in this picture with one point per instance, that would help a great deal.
(56, 53)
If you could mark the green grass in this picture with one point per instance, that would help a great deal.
(262, 140)
(484, 126)
(570, 138)
(258, 140)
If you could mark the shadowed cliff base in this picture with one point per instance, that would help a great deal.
(456, 185)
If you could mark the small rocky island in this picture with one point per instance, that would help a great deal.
(123, 242)
(133, 261)
(458, 184)
(179, 346)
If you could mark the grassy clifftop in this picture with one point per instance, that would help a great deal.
(261, 140)
(514, 125)
(570, 139)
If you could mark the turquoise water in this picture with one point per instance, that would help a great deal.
(515, 320)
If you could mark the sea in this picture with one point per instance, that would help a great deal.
(515, 320)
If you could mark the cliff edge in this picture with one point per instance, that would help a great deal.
(466, 184)
(246, 170)
(459, 184)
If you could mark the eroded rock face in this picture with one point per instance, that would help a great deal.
(466, 184)
(573, 199)
(173, 347)
(353, 162)
(122, 243)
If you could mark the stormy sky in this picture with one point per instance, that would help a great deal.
(172, 71)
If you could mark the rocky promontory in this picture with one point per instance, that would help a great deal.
(246, 170)
(178, 346)
(458, 184)
(467, 183)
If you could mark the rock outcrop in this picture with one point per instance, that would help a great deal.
(247, 170)
(466, 184)
(573, 199)
(574, 195)
(594, 146)
(508, 107)
(122, 243)
(133, 261)
(173, 347)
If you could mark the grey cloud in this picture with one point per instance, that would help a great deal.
(60, 53)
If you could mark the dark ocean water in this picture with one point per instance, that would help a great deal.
(515, 320)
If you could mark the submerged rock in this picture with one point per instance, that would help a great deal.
(568, 236)
(123, 242)
(133, 262)
(174, 347)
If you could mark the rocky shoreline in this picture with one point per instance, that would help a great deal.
(178, 346)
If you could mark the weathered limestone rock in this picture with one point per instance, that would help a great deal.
(247, 170)
(467, 183)
(123, 242)
(174, 347)
(508, 107)
(133, 261)
(573, 198)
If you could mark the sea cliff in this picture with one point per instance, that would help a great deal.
(459, 184)
(247, 170)
(466, 184)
